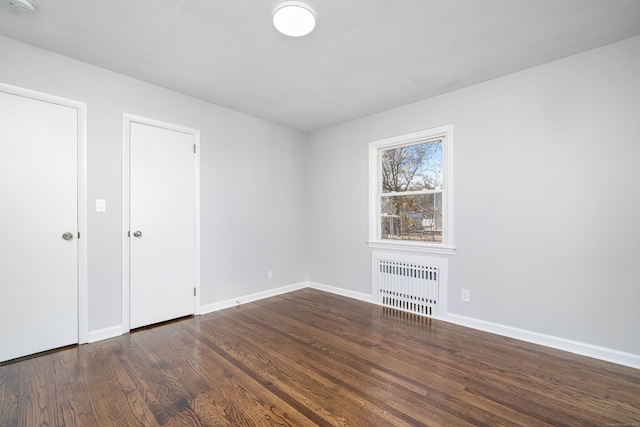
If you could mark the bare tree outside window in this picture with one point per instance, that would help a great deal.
(411, 192)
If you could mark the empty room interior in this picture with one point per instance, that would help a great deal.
(406, 213)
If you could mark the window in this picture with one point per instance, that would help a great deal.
(411, 192)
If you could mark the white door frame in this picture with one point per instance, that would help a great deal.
(81, 108)
(127, 119)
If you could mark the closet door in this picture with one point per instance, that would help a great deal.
(162, 238)
(38, 225)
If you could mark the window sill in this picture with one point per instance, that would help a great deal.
(412, 247)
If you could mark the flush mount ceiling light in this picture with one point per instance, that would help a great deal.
(294, 18)
(23, 5)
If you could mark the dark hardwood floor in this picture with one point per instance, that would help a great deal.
(312, 358)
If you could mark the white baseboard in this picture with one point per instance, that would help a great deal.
(584, 349)
(104, 334)
(234, 302)
(342, 292)
(116, 331)
(576, 347)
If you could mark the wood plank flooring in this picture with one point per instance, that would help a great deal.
(311, 358)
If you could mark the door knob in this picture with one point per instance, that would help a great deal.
(67, 236)
(137, 233)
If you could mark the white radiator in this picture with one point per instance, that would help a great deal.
(407, 285)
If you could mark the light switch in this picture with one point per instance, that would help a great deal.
(101, 205)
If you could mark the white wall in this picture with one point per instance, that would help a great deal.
(547, 197)
(253, 216)
(547, 191)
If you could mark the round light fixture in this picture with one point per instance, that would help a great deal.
(294, 18)
(23, 5)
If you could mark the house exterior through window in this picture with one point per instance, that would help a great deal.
(411, 191)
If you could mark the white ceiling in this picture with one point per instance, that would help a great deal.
(364, 56)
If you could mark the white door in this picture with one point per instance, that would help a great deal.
(162, 224)
(38, 206)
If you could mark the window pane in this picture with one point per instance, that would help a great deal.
(416, 217)
(412, 168)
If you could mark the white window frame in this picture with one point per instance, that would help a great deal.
(446, 247)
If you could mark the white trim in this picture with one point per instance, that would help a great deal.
(105, 333)
(411, 247)
(411, 193)
(125, 221)
(576, 347)
(447, 247)
(234, 302)
(589, 350)
(81, 108)
(583, 349)
(343, 292)
(83, 275)
(196, 273)
(127, 119)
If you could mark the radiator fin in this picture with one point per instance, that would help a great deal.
(408, 286)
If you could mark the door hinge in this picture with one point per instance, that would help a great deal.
(194, 148)
(194, 292)
(129, 233)
(78, 234)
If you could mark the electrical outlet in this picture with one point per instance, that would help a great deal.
(270, 275)
(466, 295)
